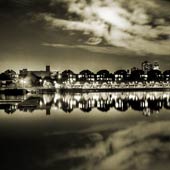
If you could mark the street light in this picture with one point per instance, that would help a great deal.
(40, 82)
(23, 83)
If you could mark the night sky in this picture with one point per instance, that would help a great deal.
(83, 34)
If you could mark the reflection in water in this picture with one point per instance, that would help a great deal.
(146, 102)
(123, 144)
(141, 147)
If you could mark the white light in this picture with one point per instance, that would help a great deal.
(77, 97)
(56, 97)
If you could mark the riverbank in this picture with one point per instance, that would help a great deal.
(22, 91)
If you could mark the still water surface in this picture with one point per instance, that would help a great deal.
(86, 131)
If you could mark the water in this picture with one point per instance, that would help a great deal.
(85, 131)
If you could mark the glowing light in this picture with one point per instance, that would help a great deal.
(59, 76)
(56, 97)
(57, 85)
(77, 97)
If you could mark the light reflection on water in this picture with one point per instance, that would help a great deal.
(145, 102)
(86, 131)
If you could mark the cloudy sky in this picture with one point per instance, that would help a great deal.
(80, 34)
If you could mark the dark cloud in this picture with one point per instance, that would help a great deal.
(107, 32)
(134, 25)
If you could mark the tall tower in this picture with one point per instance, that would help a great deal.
(156, 65)
(146, 66)
(48, 68)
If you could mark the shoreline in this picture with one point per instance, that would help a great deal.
(22, 91)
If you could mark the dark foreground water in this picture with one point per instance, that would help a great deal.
(87, 131)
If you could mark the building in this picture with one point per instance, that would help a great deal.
(86, 76)
(42, 73)
(156, 66)
(68, 76)
(146, 66)
(120, 75)
(104, 76)
(166, 75)
(137, 75)
(48, 69)
(34, 78)
(155, 76)
(10, 73)
(5, 80)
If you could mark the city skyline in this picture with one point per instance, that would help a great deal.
(147, 77)
(110, 64)
(155, 65)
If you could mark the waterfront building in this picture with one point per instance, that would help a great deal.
(149, 74)
(86, 76)
(166, 75)
(156, 66)
(120, 76)
(6, 80)
(68, 76)
(104, 76)
(34, 78)
(155, 76)
(137, 76)
(28, 80)
(11, 73)
(42, 73)
(146, 66)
